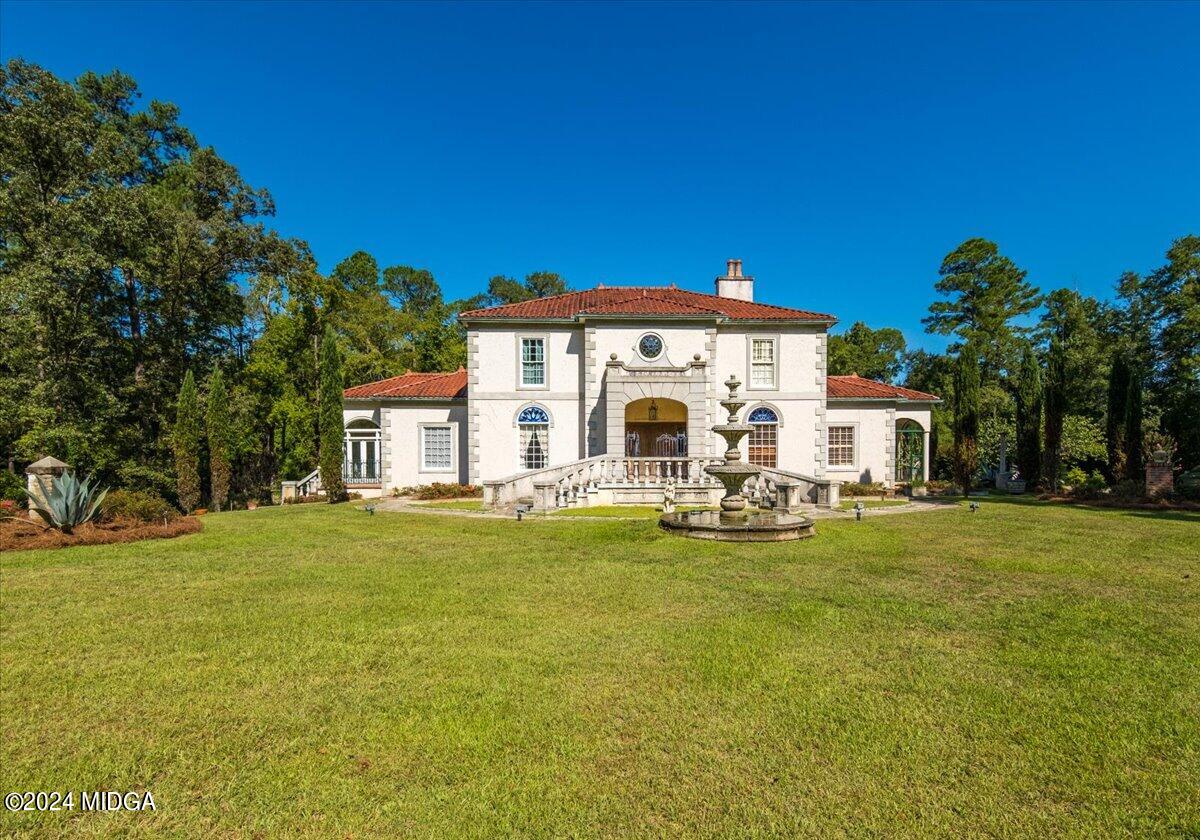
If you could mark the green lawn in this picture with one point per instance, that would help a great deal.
(457, 504)
(1023, 670)
(848, 504)
(622, 511)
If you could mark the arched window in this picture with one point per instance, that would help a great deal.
(534, 425)
(764, 437)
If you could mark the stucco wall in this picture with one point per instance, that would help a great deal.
(401, 441)
(875, 424)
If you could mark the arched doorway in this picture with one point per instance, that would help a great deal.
(656, 428)
(910, 451)
(360, 460)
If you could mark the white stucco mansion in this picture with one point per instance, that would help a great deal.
(603, 395)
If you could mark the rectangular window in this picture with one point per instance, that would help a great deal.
(535, 446)
(841, 446)
(533, 362)
(762, 363)
(437, 449)
(763, 444)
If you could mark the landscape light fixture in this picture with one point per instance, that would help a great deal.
(859, 507)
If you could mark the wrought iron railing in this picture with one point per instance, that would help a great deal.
(360, 472)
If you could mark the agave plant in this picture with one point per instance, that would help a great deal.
(68, 502)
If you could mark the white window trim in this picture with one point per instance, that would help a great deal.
(853, 467)
(764, 404)
(750, 339)
(453, 468)
(545, 386)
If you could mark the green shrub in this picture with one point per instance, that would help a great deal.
(1087, 486)
(1129, 489)
(1187, 486)
(139, 505)
(438, 490)
(1075, 477)
(12, 487)
(855, 488)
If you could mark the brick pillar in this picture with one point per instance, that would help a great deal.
(1160, 477)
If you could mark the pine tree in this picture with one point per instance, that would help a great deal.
(1054, 402)
(186, 440)
(217, 426)
(330, 419)
(1029, 416)
(966, 416)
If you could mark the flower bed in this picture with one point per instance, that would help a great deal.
(19, 533)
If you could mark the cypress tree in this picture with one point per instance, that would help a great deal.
(329, 419)
(1029, 416)
(217, 426)
(966, 416)
(1054, 404)
(186, 441)
(1119, 379)
(1133, 430)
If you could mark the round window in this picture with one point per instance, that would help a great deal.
(650, 346)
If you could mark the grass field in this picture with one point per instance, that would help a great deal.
(475, 505)
(1024, 670)
(848, 504)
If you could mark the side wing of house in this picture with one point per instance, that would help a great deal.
(406, 431)
(875, 432)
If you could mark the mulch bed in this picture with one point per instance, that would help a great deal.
(18, 533)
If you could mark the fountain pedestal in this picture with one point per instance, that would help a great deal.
(733, 522)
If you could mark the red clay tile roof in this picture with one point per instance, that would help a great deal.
(855, 387)
(414, 386)
(643, 300)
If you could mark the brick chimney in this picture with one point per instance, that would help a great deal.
(734, 284)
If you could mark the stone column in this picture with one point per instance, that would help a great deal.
(544, 497)
(46, 470)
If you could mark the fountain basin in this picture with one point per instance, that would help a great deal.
(756, 526)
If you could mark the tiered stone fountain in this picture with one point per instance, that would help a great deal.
(733, 522)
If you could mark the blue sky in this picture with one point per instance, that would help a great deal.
(839, 150)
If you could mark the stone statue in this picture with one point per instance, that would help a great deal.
(669, 496)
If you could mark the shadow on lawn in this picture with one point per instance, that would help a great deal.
(1144, 512)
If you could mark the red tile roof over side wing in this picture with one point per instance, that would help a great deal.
(643, 300)
(415, 386)
(856, 388)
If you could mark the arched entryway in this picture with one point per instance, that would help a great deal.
(910, 451)
(656, 428)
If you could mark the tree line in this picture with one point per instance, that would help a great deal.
(143, 293)
(1073, 383)
(157, 332)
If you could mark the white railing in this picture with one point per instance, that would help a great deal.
(564, 484)
(787, 490)
(310, 484)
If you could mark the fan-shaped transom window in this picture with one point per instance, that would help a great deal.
(764, 437)
(533, 414)
(650, 346)
(533, 424)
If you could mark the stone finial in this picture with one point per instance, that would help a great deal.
(612, 357)
(733, 383)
